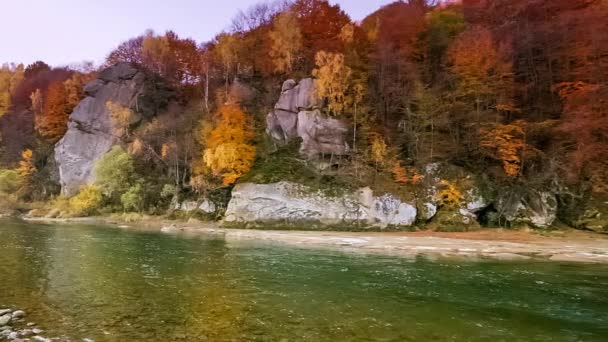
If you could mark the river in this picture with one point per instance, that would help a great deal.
(101, 283)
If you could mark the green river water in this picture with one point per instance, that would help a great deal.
(109, 284)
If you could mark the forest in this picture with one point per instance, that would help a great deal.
(513, 91)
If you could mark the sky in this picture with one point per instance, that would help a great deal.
(61, 32)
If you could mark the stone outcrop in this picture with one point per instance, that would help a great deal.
(535, 208)
(297, 115)
(205, 206)
(90, 129)
(293, 204)
(496, 207)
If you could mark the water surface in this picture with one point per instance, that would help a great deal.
(108, 284)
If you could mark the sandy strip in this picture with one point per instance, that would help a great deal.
(588, 250)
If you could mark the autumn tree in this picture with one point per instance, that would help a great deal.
(332, 80)
(10, 78)
(52, 122)
(286, 41)
(320, 24)
(586, 123)
(505, 143)
(483, 89)
(484, 72)
(443, 25)
(122, 118)
(393, 32)
(378, 149)
(228, 152)
(35, 68)
(26, 170)
(227, 50)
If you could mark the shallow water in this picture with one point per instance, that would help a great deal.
(109, 284)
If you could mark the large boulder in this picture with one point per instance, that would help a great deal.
(438, 178)
(297, 96)
(292, 204)
(534, 208)
(297, 115)
(321, 135)
(90, 131)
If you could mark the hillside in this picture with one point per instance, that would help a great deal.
(423, 115)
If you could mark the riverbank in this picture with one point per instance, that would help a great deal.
(502, 244)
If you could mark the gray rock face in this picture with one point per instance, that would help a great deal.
(538, 209)
(296, 114)
(90, 129)
(295, 204)
(297, 96)
(321, 135)
(204, 205)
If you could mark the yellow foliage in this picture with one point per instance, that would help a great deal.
(450, 195)
(122, 118)
(86, 202)
(505, 143)
(164, 151)
(286, 41)
(379, 149)
(333, 77)
(229, 153)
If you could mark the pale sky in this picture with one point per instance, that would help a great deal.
(61, 32)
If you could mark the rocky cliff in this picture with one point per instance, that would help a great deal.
(297, 115)
(90, 129)
(289, 204)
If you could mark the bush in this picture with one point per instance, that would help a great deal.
(114, 173)
(9, 181)
(87, 202)
(134, 198)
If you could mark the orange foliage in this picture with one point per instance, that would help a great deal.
(229, 153)
(52, 123)
(505, 143)
(586, 121)
(320, 25)
(404, 176)
(26, 167)
(483, 69)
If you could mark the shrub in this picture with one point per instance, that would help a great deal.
(114, 173)
(9, 181)
(87, 202)
(450, 195)
(134, 198)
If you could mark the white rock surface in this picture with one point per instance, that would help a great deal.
(292, 203)
(205, 206)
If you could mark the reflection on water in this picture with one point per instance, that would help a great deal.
(114, 285)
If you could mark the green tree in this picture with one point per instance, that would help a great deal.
(134, 198)
(114, 173)
(9, 181)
